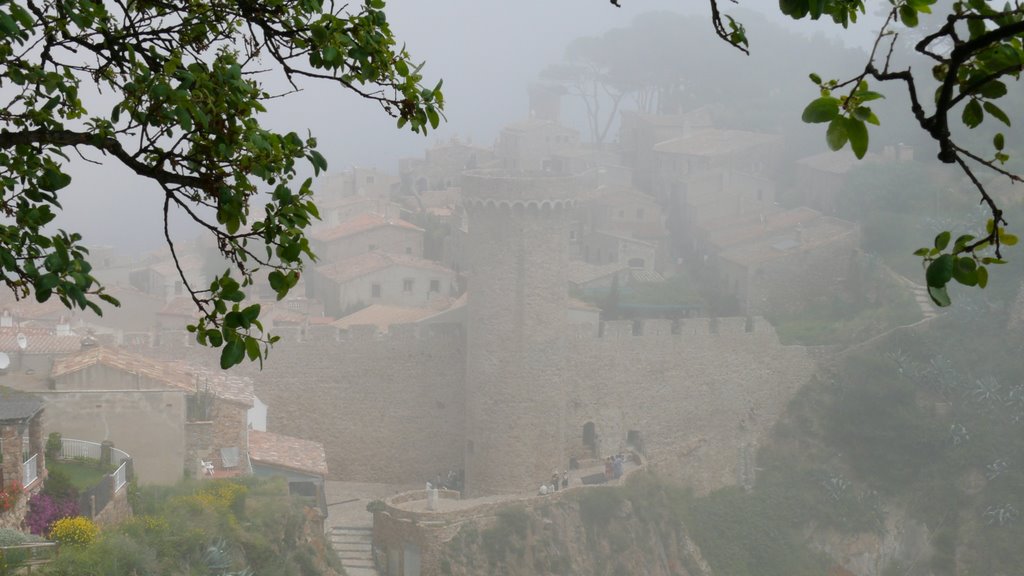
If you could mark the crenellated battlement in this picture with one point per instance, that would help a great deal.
(683, 328)
(498, 189)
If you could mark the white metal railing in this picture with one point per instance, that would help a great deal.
(118, 456)
(120, 476)
(71, 449)
(31, 471)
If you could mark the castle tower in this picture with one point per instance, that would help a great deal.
(516, 329)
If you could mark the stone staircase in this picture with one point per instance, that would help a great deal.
(924, 301)
(353, 545)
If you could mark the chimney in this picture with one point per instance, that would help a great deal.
(63, 327)
(6, 320)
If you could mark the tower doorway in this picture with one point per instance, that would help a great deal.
(590, 438)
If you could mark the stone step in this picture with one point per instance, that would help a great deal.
(353, 545)
(353, 571)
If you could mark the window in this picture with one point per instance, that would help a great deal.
(572, 234)
(622, 213)
(369, 179)
(435, 285)
(639, 213)
(408, 249)
(375, 290)
(371, 247)
(636, 262)
(407, 285)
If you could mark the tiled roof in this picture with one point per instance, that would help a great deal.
(359, 266)
(40, 341)
(18, 406)
(813, 234)
(715, 142)
(836, 162)
(29, 309)
(362, 223)
(726, 232)
(180, 306)
(190, 264)
(287, 452)
(175, 374)
(383, 316)
(580, 272)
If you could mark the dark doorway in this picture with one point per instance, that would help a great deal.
(634, 439)
(590, 438)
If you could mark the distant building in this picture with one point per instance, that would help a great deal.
(530, 145)
(380, 278)
(367, 233)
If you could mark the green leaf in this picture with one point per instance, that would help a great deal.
(982, 275)
(858, 134)
(998, 141)
(940, 271)
(232, 354)
(908, 15)
(939, 296)
(836, 135)
(972, 114)
(965, 271)
(942, 240)
(252, 348)
(997, 112)
(1007, 239)
(821, 110)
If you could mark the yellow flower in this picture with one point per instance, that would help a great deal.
(76, 530)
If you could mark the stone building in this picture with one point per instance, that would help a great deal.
(511, 388)
(380, 278)
(367, 232)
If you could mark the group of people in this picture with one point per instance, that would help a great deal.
(453, 481)
(613, 466)
(556, 480)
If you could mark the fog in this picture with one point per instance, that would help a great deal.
(622, 312)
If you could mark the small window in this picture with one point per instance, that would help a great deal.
(408, 249)
(639, 213)
(407, 285)
(375, 290)
(369, 179)
(371, 247)
(572, 234)
(636, 262)
(622, 213)
(435, 285)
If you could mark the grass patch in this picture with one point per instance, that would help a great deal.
(83, 475)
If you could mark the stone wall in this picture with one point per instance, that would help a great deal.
(148, 424)
(698, 400)
(116, 511)
(700, 394)
(387, 408)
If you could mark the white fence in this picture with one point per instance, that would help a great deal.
(72, 449)
(31, 471)
(120, 477)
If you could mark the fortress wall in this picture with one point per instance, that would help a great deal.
(387, 408)
(701, 398)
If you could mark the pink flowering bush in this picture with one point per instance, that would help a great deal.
(44, 510)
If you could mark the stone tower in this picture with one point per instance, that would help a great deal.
(516, 329)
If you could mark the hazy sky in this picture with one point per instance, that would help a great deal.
(487, 52)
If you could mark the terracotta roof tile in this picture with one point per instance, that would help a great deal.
(174, 374)
(287, 452)
(714, 142)
(359, 266)
(359, 224)
(40, 341)
(383, 316)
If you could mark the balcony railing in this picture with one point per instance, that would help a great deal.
(77, 449)
(31, 471)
